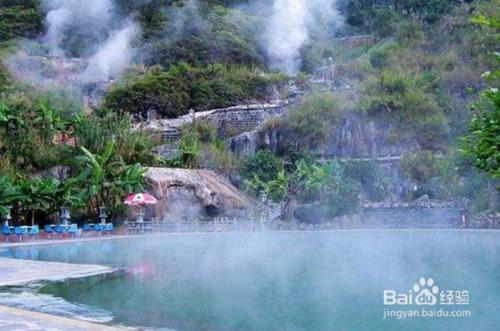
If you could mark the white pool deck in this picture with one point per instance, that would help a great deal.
(16, 272)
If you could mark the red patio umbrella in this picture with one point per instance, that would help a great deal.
(140, 199)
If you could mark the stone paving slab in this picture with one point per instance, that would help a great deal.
(15, 272)
(13, 319)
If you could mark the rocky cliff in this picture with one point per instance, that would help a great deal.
(186, 193)
(354, 137)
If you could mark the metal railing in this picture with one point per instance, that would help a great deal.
(198, 225)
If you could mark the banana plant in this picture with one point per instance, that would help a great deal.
(9, 194)
(39, 194)
(105, 178)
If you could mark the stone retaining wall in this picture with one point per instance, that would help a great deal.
(231, 122)
(227, 121)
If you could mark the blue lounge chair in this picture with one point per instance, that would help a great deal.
(6, 232)
(19, 232)
(108, 228)
(48, 230)
(98, 228)
(86, 227)
(72, 230)
(34, 231)
(59, 230)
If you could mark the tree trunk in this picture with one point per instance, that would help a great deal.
(493, 194)
(32, 217)
(288, 207)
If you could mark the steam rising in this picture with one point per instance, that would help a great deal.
(89, 17)
(113, 56)
(91, 30)
(289, 29)
(89, 42)
(95, 19)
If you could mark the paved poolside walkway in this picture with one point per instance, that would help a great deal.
(13, 319)
(15, 272)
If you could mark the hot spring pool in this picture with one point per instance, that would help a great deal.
(286, 281)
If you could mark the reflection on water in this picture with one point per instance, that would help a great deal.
(49, 304)
(282, 281)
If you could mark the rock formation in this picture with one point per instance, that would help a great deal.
(189, 193)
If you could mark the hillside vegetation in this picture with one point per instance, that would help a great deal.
(420, 70)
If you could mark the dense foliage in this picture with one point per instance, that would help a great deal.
(417, 71)
(313, 118)
(173, 92)
(199, 147)
(20, 18)
(483, 141)
(304, 181)
(50, 158)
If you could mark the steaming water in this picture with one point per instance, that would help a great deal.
(282, 281)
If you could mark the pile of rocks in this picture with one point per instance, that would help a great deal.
(486, 220)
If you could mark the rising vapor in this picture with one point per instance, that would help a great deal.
(95, 18)
(289, 29)
(113, 56)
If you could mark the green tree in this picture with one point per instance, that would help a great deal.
(105, 179)
(304, 177)
(28, 128)
(264, 165)
(482, 145)
(39, 194)
(9, 194)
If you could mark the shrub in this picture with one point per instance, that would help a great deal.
(312, 119)
(217, 157)
(380, 53)
(368, 175)
(343, 200)
(264, 164)
(383, 21)
(410, 103)
(200, 34)
(398, 95)
(28, 125)
(173, 92)
(20, 18)
(420, 166)
(96, 130)
(409, 32)
(5, 79)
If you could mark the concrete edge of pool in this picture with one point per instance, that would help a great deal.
(19, 319)
(17, 272)
(7, 245)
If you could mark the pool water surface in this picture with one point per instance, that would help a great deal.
(296, 281)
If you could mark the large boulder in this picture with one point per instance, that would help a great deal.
(189, 193)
